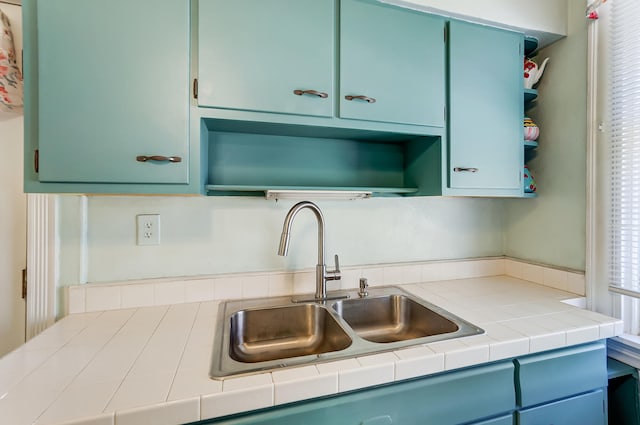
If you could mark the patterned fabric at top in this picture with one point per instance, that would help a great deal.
(10, 76)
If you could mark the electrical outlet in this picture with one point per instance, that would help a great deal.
(148, 229)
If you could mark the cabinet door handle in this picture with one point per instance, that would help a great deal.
(361, 97)
(312, 92)
(465, 169)
(158, 158)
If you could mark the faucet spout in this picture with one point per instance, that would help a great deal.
(322, 274)
(283, 248)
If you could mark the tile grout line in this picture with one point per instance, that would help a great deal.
(52, 354)
(134, 361)
(44, 361)
(85, 366)
(184, 349)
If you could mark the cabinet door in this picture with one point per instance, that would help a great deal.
(558, 374)
(253, 55)
(485, 108)
(586, 409)
(113, 84)
(395, 56)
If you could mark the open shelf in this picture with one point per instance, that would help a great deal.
(530, 46)
(530, 144)
(530, 195)
(365, 164)
(530, 95)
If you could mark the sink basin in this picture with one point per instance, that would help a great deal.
(274, 333)
(392, 318)
(271, 333)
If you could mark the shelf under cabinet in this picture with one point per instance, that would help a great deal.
(530, 144)
(530, 195)
(324, 190)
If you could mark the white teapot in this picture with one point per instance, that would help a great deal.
(532, 72)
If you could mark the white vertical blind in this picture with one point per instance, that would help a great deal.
(625, 158)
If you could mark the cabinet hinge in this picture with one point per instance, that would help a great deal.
(445, 33)
(24, 284)
(195, 88)
(36, 160)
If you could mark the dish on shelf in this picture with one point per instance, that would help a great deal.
(527, 179)
(531, 130)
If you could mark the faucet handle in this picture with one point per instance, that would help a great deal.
(334, 274)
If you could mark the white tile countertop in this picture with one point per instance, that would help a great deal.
(151, 364)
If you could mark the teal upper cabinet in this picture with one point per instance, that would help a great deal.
(154, 96)
(267, 56)
(108, 93)
(485, 155)
(381, 65)
(392, 64)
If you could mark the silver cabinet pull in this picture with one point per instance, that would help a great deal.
(158, 158)
(311, 92)
(361, 97)
(465, 169)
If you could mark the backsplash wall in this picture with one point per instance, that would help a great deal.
(149, 292)
(213, 235)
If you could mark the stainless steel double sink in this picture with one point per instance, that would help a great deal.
(271, 333)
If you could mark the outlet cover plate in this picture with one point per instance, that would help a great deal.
(148, 229)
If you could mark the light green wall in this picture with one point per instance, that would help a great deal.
(209, 235)
(551, 228)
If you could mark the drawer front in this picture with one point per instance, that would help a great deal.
(585, 409)
(552, 376)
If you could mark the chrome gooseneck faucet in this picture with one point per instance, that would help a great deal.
(322, 274)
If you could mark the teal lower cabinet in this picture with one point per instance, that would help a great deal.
(471, 396)
(561, 387)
